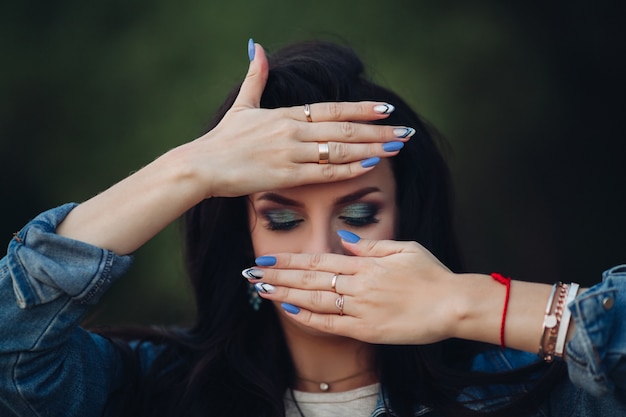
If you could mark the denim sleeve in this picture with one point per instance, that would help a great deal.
(49, 366)
(596, 355)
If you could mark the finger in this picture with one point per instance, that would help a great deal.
(316, 173)
(352, 132)
(341, 153)
(325, 302)
(252, 88)
(343, 111)
(335, 263)
(326, 262)
(301, 279)
(345, 325)
(374, 248)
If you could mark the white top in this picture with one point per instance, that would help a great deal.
(355, 403)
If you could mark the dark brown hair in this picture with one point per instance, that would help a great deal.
(234, 360)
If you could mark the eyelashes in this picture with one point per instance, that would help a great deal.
(359, 214)
(359, 221)
(355, 215)
(281, 219)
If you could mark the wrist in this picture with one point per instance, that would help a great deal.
(479, 302)
(184, 176)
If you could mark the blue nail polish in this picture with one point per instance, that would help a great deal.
(265, 261)
(290, 308)
(393, 146)
(251, 49)
(370, 162)
(348, 236)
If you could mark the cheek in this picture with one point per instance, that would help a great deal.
(385, 230)
(266, 241)
(387, 224)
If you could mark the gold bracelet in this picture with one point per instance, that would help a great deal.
(552, 321)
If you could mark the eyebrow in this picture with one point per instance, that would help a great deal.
(279, 199)
(356, 195)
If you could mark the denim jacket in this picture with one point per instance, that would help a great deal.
(50, 366)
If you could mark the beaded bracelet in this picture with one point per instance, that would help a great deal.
(552, 321)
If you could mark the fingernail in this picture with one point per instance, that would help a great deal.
(393, 146)
(253, 273)
(384, 108)
(264, 288)
(370, 162)
(348, 236)
(251, 49)
(290, 308)
(265, 261)
(404, 132)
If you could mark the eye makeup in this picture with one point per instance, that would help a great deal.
(357, 209)
(359, 214)
(281, 219)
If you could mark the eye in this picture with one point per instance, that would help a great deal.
(359, 214)
(281, 219)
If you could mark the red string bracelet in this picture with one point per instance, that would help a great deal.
(504, 281)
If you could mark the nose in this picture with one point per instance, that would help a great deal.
(323, 240)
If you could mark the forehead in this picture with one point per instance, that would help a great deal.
(380, 177)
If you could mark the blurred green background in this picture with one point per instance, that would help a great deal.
(529, 95)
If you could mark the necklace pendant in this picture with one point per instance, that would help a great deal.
(324, 386)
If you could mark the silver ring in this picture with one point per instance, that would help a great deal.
(324, 152)
(333, 283)
(307, 112)
(339, 304)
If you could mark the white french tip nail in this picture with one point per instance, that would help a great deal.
(264, 288)
(403, 132)
(384, 108)
(252, 273)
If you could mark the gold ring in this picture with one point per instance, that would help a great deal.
(324, 152)
(339, 304)
(333, 283)
(307, 112)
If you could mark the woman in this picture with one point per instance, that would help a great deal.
(249, 194)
